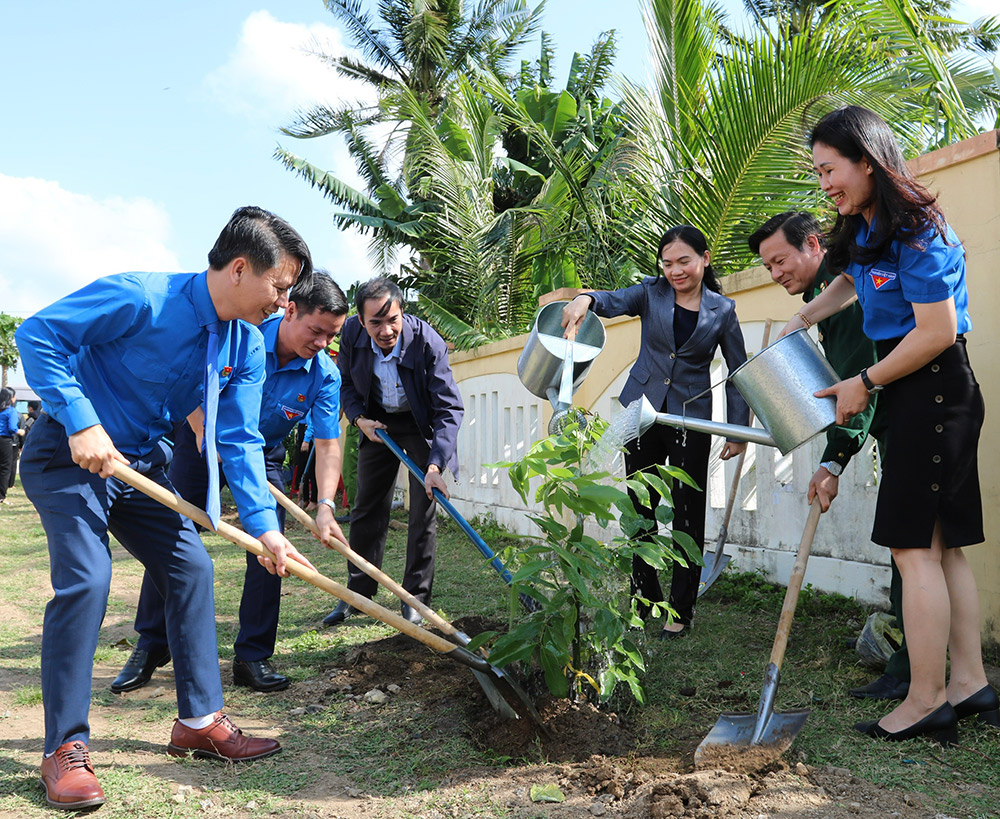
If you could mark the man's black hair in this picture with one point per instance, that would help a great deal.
(319, 292)
(796, 225)
(377, 289)
(262, 239)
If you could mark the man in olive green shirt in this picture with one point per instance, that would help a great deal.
(791, 246)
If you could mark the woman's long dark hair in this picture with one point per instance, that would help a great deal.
(696, 239)
(6, 398)
(903, 208)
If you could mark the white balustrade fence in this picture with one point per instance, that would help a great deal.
(503, 420)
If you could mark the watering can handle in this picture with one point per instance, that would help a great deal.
(566, 383)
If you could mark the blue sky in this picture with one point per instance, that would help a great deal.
(131, 130)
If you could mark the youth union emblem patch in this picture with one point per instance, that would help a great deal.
(881, 277)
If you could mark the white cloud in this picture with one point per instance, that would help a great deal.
(970, 10)
(275, 70)
(54, 241)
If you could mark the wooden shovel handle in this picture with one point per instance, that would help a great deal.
(367, 567)
(254, 546)
(794, 586)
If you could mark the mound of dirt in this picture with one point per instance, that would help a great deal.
(591, 756)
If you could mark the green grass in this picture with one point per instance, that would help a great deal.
(407, 748)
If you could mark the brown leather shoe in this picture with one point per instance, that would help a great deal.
(69, 779)
(220, 740)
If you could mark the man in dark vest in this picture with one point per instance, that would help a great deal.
(396, 377)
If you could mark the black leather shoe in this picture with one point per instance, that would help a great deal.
(674, 635)
(139, 668)
(941, 725)
(340, 614)
(258, 675)
(885, 687)
(983, 704)
(412, 614)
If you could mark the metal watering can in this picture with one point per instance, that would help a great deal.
(778, 383)
(554, 367)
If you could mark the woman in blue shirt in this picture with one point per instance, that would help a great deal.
(9, 423)
(907, 269)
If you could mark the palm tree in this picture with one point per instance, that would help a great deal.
(499, 196)
(419, 46)
(721, 135)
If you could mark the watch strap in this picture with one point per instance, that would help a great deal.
(833, 468)
(327, 502)
(869, 385)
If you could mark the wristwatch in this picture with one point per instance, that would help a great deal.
(328, 502)
(833, 468)
(872, 388)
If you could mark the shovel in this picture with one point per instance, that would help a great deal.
(717, 560)
(767, 729)
(457, 636)
(529, 603)
(490, 677)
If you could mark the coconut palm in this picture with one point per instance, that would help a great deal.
(499, 197)
(418, 45)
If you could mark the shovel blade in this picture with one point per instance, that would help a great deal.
(734, 733)
(500, 705)
(711, 570)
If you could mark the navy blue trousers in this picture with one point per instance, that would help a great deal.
(78, 509)
(259, 606)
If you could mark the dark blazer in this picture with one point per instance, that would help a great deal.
(426, 378)
(665, 375)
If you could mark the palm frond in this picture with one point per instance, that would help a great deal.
(369, 40)
(331, 187)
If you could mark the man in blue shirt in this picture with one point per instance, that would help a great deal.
(300, 377)
(116, 363)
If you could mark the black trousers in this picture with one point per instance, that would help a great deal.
(688, 451)
(377, 470)
(6, 464)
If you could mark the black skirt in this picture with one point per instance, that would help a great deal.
(930, 471)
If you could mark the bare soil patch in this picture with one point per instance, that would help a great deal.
(591, 755)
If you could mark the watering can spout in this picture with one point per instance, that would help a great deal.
(731, 432)
(779, 384)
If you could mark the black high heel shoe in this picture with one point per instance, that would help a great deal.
(941, 725)
(984, 704)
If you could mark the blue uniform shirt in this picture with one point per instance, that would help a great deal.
(290, 392)
(128, 352)
(905, 276)
(10, 421)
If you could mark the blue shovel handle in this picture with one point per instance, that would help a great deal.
(480, 544)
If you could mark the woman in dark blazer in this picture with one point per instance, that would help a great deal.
(684, 319)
